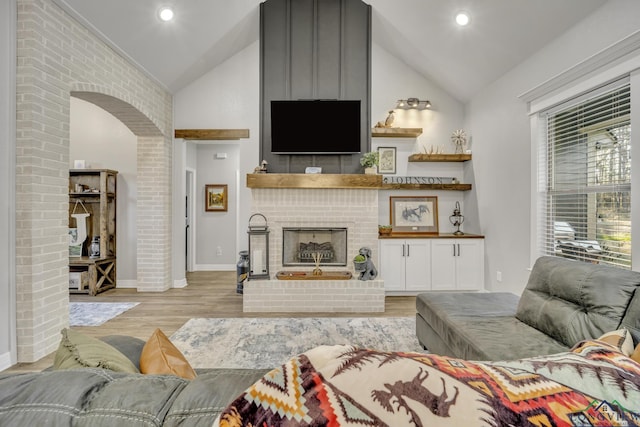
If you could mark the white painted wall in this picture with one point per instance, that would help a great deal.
(215, 244)
(7, 183)
(104, 142)
(499, 125)
(225, 98)
(393, 80)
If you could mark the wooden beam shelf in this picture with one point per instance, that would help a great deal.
(439, 157)
(449, 187)
(211, 134)
(396, 132)
(313, 180)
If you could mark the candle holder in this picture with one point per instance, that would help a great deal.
(457, 219)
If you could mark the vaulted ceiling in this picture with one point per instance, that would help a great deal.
(421, 33)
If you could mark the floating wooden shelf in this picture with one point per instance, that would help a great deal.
(450, 187)
(211, 134)
(396, 132)
(439, 157)
(431, 236)
(312, 180)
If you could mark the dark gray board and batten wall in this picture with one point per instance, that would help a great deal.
(315, 49)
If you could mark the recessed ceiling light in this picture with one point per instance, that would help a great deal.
(462, 19)
(166, 14)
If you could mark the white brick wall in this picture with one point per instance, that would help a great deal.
(58, 57)
(356, 209)
(318, 296)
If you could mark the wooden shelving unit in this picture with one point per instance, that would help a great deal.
(396, 132)
(99, 199)
(439, 157)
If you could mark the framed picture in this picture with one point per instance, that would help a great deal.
(215, 197)
(387, 160)
(414, 215)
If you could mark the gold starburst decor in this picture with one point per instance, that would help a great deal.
(459, 139)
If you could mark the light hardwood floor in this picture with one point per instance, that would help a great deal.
(209, 294)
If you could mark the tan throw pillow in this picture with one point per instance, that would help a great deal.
(160, 356)
(636, 354)
(77, 350)
(621, 339)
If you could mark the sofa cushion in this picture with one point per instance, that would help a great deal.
(77, 350)
(98, 397)
(572, 301)
(480, 326)
(160, 356)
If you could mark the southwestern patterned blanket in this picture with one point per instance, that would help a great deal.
(592, 385)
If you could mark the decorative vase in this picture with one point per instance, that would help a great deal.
(373, 170)
(242, 270)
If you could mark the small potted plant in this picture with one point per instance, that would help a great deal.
(370, 162)
(359, 263)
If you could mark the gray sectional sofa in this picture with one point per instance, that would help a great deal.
(101, 397)
(564, 302)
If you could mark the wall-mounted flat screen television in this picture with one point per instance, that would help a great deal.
(316, 126)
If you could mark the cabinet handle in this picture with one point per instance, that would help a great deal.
(454, 249)
(408, 247)
(403, 249)
(458, 249)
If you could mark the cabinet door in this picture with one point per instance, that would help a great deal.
(418, 265)
(470, 264)
(443, 260)
(392, 264)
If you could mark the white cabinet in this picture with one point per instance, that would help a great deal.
(458, 264)
(405, 264)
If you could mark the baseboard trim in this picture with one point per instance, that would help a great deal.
(5, 361)
(215, 267)
(180, 283)
(127, 284)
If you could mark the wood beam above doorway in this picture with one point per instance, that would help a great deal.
(211, 134)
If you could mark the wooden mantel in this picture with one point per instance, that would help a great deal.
(312, 180)
(211, 134)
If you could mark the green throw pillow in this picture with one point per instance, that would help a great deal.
(77, 350)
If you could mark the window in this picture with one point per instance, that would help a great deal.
(585, 178)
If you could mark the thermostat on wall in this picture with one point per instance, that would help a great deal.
(313, 169)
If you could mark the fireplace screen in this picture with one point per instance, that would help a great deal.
(303, 246)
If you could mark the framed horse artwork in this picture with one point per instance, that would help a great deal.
(414, 215)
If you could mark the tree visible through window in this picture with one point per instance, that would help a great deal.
(586, 180)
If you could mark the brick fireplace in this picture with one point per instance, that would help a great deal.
(355, 209)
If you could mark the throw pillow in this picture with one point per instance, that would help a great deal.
(77, 350)
(160, 356)
(621, 339)
(636, 354)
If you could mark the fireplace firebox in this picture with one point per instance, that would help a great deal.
(303, 246)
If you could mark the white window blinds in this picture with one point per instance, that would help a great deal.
(585, 178)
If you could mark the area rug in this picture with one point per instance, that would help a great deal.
(269, 342)
(96, 313)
